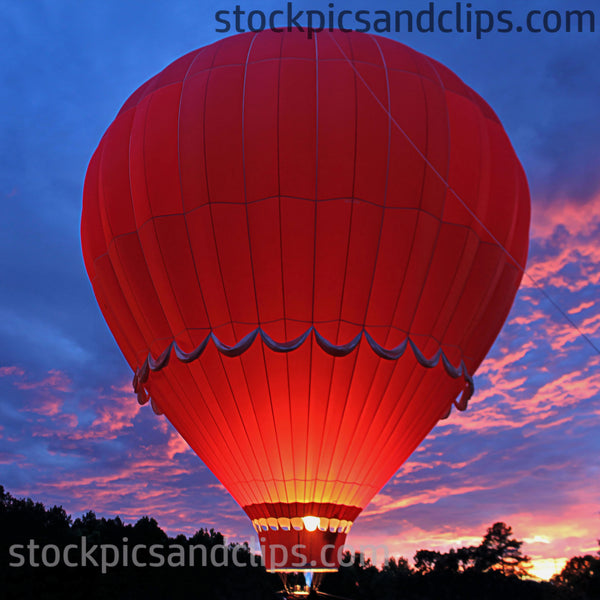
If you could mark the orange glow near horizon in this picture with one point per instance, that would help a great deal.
(545, 568)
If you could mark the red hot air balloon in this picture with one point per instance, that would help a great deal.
(304, 249)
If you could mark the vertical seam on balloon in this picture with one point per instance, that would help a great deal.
(258, 319)
(513, 227)
(515, 216)
(382, 220)
(285, 330)
(332, 359)
(345, 465)
(191, 374)
(244, 180)
(310, 496)
(221, 360)
(312, 342)
(187, 231)
(262, 346)
(356, 354)
(387, 174)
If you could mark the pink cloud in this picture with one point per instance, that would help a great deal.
(506, 359)
(48, 407)
(128, 479)
(577, 219)
(574, 229)
(584, 254)
(161, 424)
(581, 307)
(44, 401)
(8, 371)
(114, 415)
(176, 445)
(536, 315)
(414, 466)
(568, 389)
(383, 503)
(504, 403)
(8, 458)
(497, 407)
(557, 423)
(56, 380)
(490, 417)
(562, 333)
(217, 486)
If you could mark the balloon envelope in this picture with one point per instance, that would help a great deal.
(303, 249)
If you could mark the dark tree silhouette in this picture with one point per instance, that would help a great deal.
(22, 521)
(426, 561)
(500, 552)
(581, 576)
(467, 558)
(397, 566)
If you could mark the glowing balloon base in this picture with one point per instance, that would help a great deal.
(307, 543)
(304, 550)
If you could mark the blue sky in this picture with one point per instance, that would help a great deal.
(71, 431)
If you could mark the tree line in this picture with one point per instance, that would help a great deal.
(46, 554)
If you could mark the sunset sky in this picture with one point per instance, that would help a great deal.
(527, 451)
